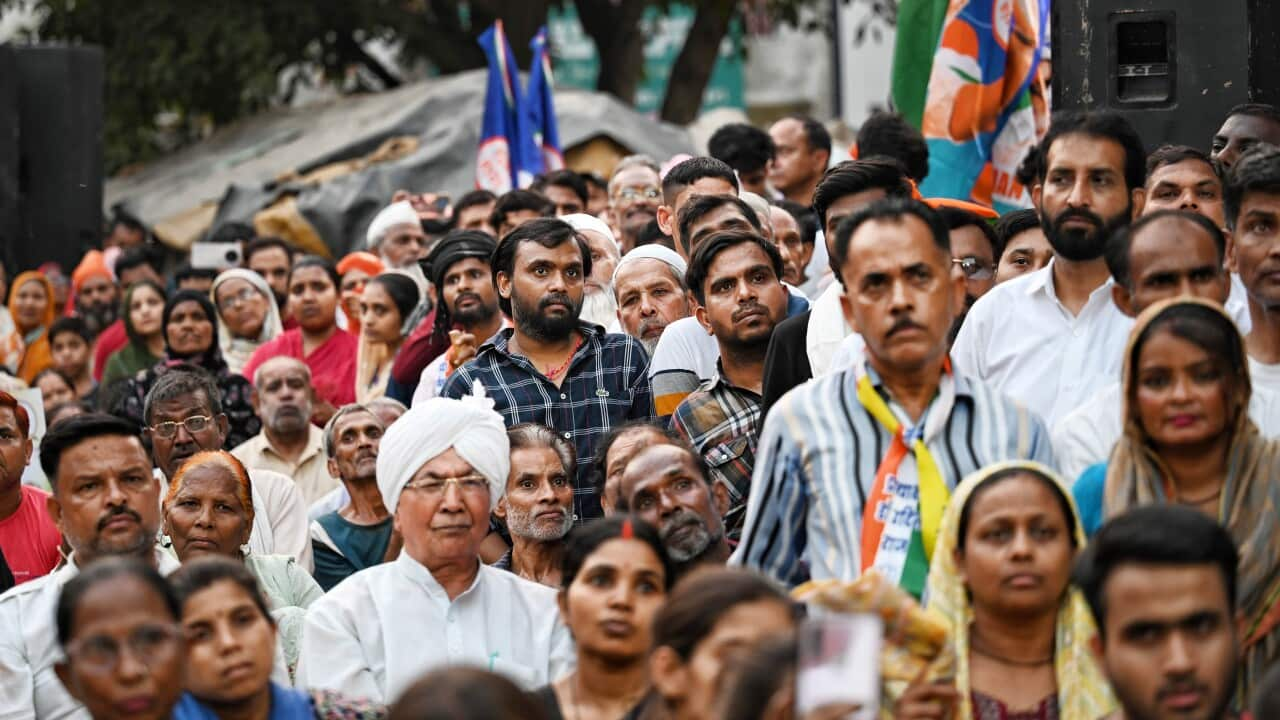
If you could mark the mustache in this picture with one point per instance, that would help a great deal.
(753, 308)
(904, 324)
(556, 299)
(466, 296)
(118, 510)
(1078, 214)
(1180, 686)
(679, 520)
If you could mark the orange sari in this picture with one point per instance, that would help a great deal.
(37, 355)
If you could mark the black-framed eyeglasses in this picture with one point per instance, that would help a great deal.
(193, 424)
(974, 268)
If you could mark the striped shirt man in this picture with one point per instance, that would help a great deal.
(819, 452)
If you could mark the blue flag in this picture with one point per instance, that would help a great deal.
(541, 108)
(500, 157)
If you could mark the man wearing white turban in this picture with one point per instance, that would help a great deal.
(441, 469)
(396, 235)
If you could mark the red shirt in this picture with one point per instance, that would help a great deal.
(29, 538)
(112, 338)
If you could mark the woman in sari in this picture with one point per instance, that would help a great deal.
(386, 304)
(190, 329)
(31, 305)
(143, 322)
(1188, 439)
(248, 314)
(1000, 578)
(327, 349)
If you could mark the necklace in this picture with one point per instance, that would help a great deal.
(1039, 662)
(1200, 501)
(551, 373)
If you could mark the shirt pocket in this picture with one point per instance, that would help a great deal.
(730, 462)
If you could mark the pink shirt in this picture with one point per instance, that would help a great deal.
(29, 538)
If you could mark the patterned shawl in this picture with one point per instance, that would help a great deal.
(1083, 691)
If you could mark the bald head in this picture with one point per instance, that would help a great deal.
(282, 397)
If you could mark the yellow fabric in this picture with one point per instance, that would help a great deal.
(1083, 691)
(933, 490)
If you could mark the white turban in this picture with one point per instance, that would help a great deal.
(654, 251)
(397, 213)
(470, 426)
(583, 221)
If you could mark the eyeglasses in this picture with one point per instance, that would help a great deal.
(149, 645)
(435, 487)
(244, 296)
(193, 424)
(633, 194)
(974, 269)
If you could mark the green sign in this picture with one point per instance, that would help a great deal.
(576, 64)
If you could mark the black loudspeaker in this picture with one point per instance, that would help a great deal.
(10, 221)
(1172, 67)
(59, 106)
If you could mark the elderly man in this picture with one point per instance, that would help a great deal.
(396, 235)
(288, 444)
(599, 306)
(358, 534)
(183, 416)
(667, 486)
(649, 286)
(106, 503)
(537, 505)
(441, 469)
(635, 191)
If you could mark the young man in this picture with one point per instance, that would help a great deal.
(635, 192)
(472, 211)
(566, 190)
(1246, 126)
(1053, 338)
(736, 278)
(802, 149)
(1026, 249)
(1253, 213)
(855, 468)
(691, 178)
(890, 135)
(748, 150)
(517, 207)
(537, 503)
(551, 368)
(1161, 581)
(29, 538)
(1183, 178)
(649, 286)
(71, 344)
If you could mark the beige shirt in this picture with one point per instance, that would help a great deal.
(310, 473)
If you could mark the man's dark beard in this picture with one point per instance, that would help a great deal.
(533, 322)
(1077, 245)
(477, 314)
(98, 317)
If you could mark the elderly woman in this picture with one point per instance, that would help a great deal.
(248, 314)
(1188, 439)
(31, 306)
(386, 305)
(209, 511)
(441, 469)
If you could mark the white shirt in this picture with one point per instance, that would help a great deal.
(433, 376)
(381, 629)
(1019, 339)
(1087, 434)
(827, 331)
(29, 688)
(1262, 375)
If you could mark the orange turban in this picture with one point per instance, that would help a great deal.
(366, 261)
(94, 264)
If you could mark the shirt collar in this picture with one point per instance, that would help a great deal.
(420, 575)
(315, 443)
(1042, 280)
(963, 386)
(501, 342)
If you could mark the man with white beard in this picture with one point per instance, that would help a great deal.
(599, 306)
(538, 503)
(648, 285)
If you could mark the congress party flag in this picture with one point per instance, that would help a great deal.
(498, 159)
(541, 108)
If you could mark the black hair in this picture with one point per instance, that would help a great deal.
(1068, 515)
(182, 382)
(35, 381)
(516, 200)
(1118, 249)
(1257, 170)
(700, 600)
(120, 216)
(1258, 110)
(758, 676)
(100, 571)
(1030, 167)
(471, 199)
(565, 179)
(76, 430)
(83, 407)
(204, 572)
(1206, 328)
(702, 205)
(956, 218)
(187, 272)
(895, 209)
(855, 176)
(890, 135)
(1162, 534)
(743, 147)
(465, 693)
(136, 257)
(242, 233)
(197, 297)
(1173, 154)
(403, 291)
(583, 540)
(700, 264)
(652, 234)
(596, 179)
(258, 244)
(70, 324)
(806, 219)
(547, 232)
(1014, 223)
(815, 133)
(325, 264)
(691, 171)
(1103, 124)
(599, 463)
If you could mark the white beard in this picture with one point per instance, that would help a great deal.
(599, 308)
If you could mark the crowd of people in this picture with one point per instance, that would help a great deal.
(576, 451)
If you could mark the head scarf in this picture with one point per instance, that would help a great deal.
(470, 426)
(93, 265)
(583, 221)
(237, 351)
(211, 359)
(397, 213)
(654, 252)
(37, 355)
(1083, 691)
(360, 260)
(1249, 505)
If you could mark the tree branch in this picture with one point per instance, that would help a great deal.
(693, 65)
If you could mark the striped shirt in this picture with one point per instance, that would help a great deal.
(804, 514)
(606, 385)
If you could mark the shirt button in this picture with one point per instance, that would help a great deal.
(1077, 332)
(568, 436)
(563, 396)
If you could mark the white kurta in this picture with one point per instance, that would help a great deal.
(383, 628)
(29, 688)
